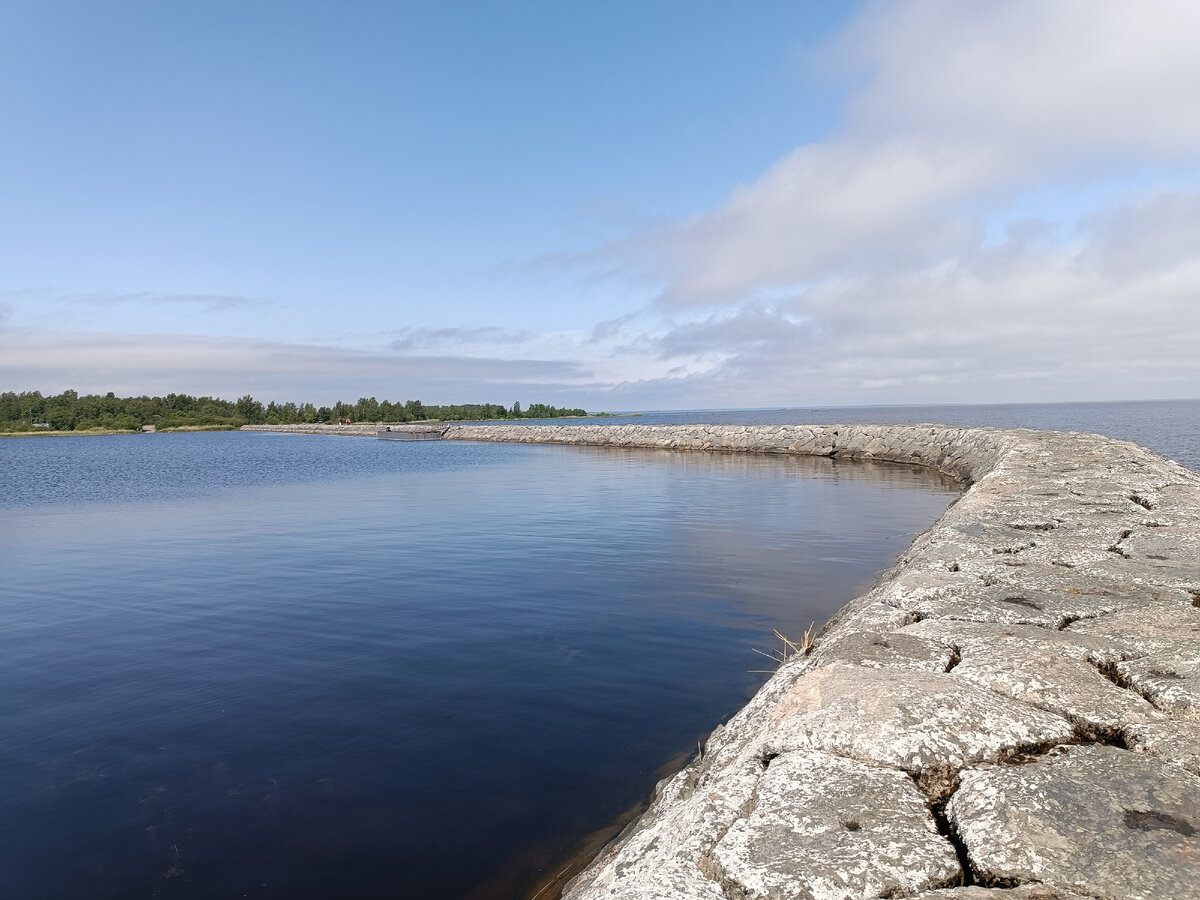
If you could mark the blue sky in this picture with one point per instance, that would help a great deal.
(616, 206)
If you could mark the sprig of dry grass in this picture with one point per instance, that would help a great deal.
(789, 648)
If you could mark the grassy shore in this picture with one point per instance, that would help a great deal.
(49, 432)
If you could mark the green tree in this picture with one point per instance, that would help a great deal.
(251, 410)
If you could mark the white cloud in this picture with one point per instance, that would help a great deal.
(866, 268)
(1018, 319)
(825, 209)
(159, 364)
(1048, 80)
(966, 107)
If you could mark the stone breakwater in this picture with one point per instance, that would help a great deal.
(363, 429)
(1013, 711)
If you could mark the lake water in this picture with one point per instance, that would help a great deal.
(256, 665)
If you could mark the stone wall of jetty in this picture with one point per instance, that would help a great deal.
(1013, 710)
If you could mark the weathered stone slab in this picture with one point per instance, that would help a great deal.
(928, 724)
(1024, 892)
(1047, 678)
(1169, 739)
(826, 828)
(1168, 679)
(1155, 627)
(1097, 820)
(884, 650)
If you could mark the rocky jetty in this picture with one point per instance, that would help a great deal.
(1012, 712)
(359, 429)
(367, 429)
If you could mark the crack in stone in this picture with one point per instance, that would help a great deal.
(955, 657)
(1013, 550)
(1067, 621)
(1141, 501)
(1092, 733)
(707, 864)
(1024, 754)
(937, 811)
(1109, 670)
(1116, 548)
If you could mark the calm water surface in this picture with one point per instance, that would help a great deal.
(255, 665)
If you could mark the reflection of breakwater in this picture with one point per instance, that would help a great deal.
(1014, 708)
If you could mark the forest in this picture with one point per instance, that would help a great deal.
(69, 411)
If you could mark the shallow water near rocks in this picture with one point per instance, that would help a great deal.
(289, 666)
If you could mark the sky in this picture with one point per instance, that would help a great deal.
(617, 206)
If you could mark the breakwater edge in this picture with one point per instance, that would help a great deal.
(1012, 711)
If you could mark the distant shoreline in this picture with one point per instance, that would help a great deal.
(106, 432)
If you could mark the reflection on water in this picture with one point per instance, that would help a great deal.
(292, 666)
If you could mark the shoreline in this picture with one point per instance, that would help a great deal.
(1012, 710)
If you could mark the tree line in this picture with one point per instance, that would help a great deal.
(69, 411)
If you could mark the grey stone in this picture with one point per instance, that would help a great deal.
(1023, 892)
(1098, 820)
(824, 828)
(1155, 627)
(1050, 679)
(1169, 739)
(928, 724)
(1169, 679)
(883, 650)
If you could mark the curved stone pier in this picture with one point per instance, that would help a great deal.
(361, 429)
(1013, 711)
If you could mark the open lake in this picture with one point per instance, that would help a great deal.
(258, 665)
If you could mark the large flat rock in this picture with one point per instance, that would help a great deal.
(929, 725)
(1098, 820)
(822, 827)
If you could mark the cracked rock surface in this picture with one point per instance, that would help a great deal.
(1103, 821)
(1012, 712)
(827, 826)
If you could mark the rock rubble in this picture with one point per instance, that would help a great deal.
(1012, 712)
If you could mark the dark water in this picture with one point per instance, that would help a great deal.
(255, 665)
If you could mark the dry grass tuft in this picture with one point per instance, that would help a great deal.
(789, 648)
